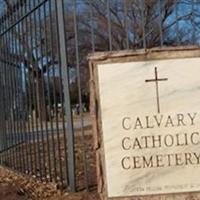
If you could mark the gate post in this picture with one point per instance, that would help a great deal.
(67, 103)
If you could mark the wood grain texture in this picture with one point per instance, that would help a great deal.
(130, 56)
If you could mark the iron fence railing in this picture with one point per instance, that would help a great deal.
(44, 78)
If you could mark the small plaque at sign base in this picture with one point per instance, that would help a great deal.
(145, 107)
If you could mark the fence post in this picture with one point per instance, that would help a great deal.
(67, 103)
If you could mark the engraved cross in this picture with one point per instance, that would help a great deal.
(156, 80)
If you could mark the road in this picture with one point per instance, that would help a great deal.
(14, 138)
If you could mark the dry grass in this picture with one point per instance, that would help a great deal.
(19, 187)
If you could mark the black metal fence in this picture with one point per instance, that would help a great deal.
(45, 127)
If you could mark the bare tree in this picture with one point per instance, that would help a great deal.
(121, 24)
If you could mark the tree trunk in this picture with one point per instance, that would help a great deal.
(40, 97)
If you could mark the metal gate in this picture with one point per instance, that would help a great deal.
(44, 78)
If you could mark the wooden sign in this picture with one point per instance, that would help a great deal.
(146, 121)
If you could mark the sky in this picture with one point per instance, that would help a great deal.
(2, 7)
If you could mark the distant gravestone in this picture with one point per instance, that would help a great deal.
(146, 122)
